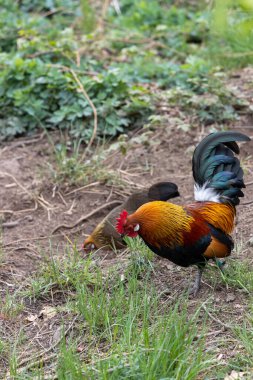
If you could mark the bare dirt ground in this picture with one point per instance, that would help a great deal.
(31, 206)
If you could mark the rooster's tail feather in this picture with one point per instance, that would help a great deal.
(217, 172)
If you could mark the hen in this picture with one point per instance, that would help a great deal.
(104, 235)
(194, 233)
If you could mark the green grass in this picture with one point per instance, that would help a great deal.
(146, 346)
(74, 167)
(237, 277)
(3, 347)
(133, 335)
(243, 338)
(10, 305)
(231, 33)
(65, 270)
(244, 335)
(124, 328)
(141, 262)
(239, 274)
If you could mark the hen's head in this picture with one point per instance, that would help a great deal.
(126, 225)
(89, 244)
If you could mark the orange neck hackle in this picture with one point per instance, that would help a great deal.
(161, 222)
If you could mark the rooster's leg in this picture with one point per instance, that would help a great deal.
(196, 286)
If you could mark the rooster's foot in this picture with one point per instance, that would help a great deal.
(196, 286)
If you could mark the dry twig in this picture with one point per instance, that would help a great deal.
(6, 212)
(116, 7)
(83, 187)
(70, 210)
(83, 218)
(103, 15)
(37, 199)
(216, 319)
(12, 224)
(25, 249)
(29, 239)
(26, 142)
(246, 203)
(66, 68)
(54, 11)
(62, 198)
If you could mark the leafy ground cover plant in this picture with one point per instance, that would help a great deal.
(54, 74)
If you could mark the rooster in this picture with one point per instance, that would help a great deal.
(105, 236)
(194, 233)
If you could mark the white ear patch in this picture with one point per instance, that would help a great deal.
(92, 246)
(136, 228)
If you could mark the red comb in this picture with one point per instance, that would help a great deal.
(121, 221)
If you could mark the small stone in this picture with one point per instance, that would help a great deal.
(32, 317)
(80, 348)
(234, 375)
(47, 312)
(238, 306)
(230, 297)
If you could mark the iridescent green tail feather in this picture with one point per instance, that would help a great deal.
(216, 170)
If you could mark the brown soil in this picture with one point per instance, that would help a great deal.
(28, 221)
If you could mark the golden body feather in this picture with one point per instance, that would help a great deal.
(220, 215)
